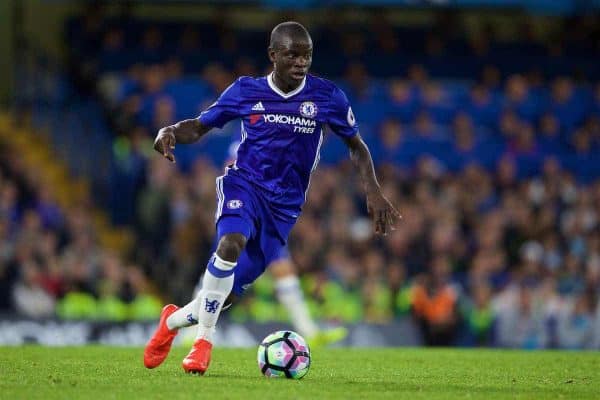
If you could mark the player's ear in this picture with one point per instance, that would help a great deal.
(271, 53)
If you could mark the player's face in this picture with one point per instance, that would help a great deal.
(292, 60)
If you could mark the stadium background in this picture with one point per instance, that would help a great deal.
(483, 118)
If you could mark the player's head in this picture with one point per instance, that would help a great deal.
(290, 51)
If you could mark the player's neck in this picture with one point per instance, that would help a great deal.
(282, 85)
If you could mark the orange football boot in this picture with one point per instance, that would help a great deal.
(198, 359)
(157, 348)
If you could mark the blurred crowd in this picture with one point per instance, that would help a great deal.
(51, 262)
(479, 258)
(492, 163)
(494, 177)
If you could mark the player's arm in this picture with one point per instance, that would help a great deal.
(185, 132)
(381, 210)
(226, 108)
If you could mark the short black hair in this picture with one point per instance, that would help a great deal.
(289, 29)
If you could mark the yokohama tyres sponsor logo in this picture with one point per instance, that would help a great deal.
(289, 119)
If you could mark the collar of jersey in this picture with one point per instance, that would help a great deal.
(279, 92)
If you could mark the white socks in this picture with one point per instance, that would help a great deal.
(290, 295)
(204, 310)
(185, 316)
(216, 286)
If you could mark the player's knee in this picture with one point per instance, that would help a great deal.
(230, 246)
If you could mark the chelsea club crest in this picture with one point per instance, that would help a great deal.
(308, 109)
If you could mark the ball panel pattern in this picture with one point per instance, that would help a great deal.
(284, 354)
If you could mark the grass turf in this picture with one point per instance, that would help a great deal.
(34, 372)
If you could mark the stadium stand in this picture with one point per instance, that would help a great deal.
(488, 147)
(56, 257)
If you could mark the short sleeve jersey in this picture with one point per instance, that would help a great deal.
(281, 133)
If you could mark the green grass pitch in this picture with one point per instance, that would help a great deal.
(97, 372)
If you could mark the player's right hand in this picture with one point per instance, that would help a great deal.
(165, 143)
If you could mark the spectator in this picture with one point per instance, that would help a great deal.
(435, 302)
(30, 298)
(522, 324)
(480, 317)
(576, 323)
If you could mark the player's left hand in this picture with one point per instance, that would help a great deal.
(384, 214)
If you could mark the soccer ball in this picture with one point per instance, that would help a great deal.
(284, 354)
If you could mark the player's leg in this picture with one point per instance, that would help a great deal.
(290, 295)
(217, 285)
(204, 309)
(234, 217)
(250, 265)
(188, 315)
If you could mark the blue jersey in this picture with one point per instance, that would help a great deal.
(281, 133)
